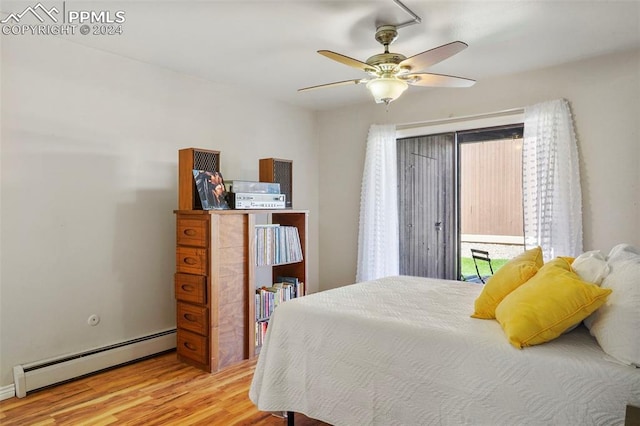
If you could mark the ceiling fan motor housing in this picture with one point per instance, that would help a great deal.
(382, 59)
(386, 34)
(387, 61)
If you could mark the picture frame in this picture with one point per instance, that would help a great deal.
(211, 190)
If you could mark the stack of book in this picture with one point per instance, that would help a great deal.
(276, 245)
(267, 299)
(261, 331)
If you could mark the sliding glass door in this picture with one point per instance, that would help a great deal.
(457, 191)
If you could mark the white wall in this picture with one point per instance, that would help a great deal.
(89, 183)
(604, 94)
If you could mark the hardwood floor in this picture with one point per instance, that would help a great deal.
(156, 391)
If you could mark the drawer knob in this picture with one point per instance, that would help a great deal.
(189, 232)
(189, 260)
(187, 287)
(189, 346)
(190, 317)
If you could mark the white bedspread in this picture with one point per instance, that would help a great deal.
(404, 351)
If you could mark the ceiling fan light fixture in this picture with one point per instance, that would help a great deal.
(386, 89)
(390, 74)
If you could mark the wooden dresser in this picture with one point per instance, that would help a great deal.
(215, 285)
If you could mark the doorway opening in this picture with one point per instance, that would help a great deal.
(459, 191)
(490, 193)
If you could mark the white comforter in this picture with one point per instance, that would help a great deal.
(404, 351)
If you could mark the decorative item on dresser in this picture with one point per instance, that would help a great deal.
(215, 281)
(281, 171)
(190, 159)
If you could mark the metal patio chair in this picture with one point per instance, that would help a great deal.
(482, 256)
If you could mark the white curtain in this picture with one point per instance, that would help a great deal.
(378, 251)
(552, 196)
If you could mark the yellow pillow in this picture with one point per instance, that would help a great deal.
(549, 303)
(512, 275)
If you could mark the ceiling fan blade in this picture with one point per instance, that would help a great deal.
(347, 60)
(337, 83)
(437, 80)
(431, 57)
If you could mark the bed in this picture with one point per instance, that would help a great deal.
(404, 351)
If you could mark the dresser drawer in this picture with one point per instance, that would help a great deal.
(192, 232)
(193, 318)
(191, 288)
(191, 260)
(192, 346)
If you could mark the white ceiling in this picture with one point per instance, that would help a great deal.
(269, 47)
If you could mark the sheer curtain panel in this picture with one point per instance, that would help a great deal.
(378, 230)
(551, 180)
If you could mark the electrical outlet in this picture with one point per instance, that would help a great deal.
(93, 320)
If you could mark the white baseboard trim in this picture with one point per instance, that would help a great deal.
(7, 392)
(51, 371)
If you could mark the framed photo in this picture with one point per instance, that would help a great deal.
(211, 189)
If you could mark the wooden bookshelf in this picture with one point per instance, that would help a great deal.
(215, 281)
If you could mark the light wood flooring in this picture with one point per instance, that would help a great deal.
(156, 391)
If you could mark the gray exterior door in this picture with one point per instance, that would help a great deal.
(427, 203)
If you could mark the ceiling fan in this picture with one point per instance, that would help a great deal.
(391, 73)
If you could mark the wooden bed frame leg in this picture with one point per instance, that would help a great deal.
(290, 418)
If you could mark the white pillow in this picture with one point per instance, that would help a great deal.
(616, 325)
(622, 252)
(591, 266)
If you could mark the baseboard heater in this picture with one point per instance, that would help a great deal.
(40, 374)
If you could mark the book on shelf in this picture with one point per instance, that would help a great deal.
(276, 244)
(267, 299)
(298, 286)
(261, 332)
